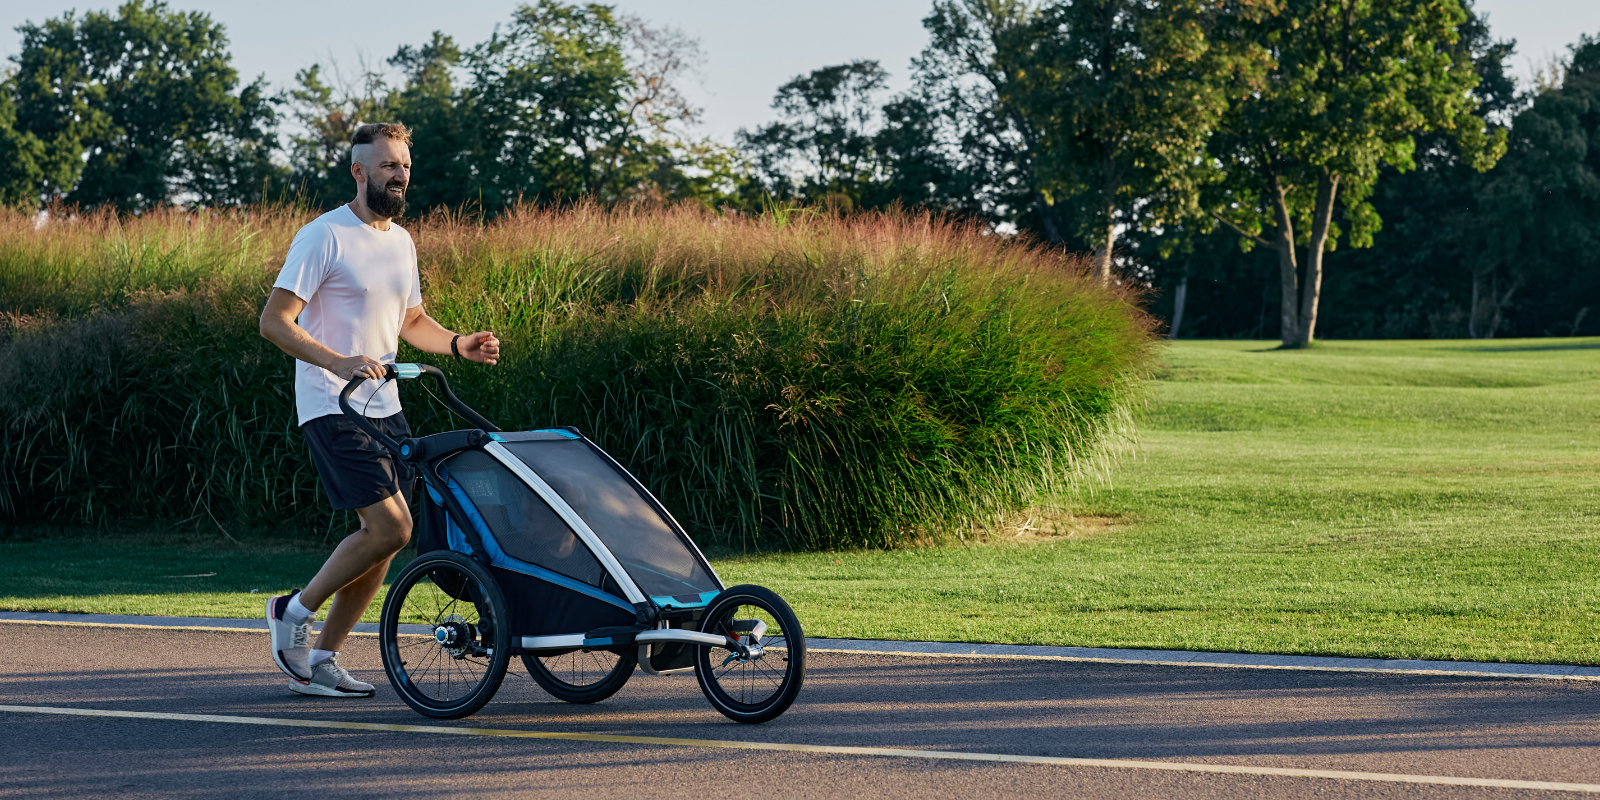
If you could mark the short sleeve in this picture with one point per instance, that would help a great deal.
(306, 267)
(415, 299)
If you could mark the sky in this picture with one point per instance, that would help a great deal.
(750, 48)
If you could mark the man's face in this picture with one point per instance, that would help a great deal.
(387, 172)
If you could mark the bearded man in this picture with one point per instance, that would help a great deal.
(348, 292)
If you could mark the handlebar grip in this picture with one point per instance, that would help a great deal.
(407, 372)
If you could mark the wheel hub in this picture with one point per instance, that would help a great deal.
(455, 636)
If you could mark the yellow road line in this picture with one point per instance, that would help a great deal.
(212, 628)
(915, 654)
(888, 752)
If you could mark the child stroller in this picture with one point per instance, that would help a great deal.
(538, 544)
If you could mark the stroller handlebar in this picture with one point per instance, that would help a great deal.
(407, 372)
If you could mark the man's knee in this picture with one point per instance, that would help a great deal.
(388, 524)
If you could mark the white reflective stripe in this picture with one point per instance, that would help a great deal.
(528, 476)
(680, 635)
(552, 642)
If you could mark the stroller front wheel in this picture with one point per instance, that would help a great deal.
(762, 678)
(445, 635)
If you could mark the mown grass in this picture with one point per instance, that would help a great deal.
(1383, 499)
(794, 381)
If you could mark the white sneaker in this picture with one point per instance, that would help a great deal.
(328, 679)
(291, 644)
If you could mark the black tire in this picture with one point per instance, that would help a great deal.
(451, 655)
(580, 677)
(754, 690)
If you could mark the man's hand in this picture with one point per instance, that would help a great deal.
(480, 346)
(349, 367)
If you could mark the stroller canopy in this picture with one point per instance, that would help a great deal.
(659, 559)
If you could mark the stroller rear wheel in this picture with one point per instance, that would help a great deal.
(758, 681)
(582, 677)
(445, 635)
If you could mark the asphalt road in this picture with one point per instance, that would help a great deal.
(1406, 725)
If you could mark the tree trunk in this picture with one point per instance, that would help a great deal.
(1472, 310)
(1178, 298)
(1283, 242)
(1102, 257)
(1321, 223)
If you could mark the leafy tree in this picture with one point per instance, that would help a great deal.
(329, 109)
(1352, 84)
(150, 100)
(968, 77)
(1538, 213)
(566, 101)
(823, 146)
(32, 167)
(1123, 95)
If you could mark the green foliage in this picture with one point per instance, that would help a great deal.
(1539, 207)
(1125, 95)
(565, 102)
(1352, 83)
(805, 381)
(146, 97)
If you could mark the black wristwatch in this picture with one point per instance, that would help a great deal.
(453, 351)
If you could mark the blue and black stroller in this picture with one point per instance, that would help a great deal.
(538, 544)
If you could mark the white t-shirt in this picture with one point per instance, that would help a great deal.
(358, 282)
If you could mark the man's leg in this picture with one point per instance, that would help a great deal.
(355, 571)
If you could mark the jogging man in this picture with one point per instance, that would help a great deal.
(348, 292)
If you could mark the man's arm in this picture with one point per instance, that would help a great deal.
(427, 335)
(278, 326)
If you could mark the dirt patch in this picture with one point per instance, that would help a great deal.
(1034, 526)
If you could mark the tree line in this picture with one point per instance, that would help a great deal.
(1219, 152)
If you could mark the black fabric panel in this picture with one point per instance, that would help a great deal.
(636, 534)
(541, 608)
(525, 526)
(430, 523)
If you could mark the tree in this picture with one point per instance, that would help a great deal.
(1123, 95)
(559, 112)
(329, 111)
(149, 97)
(1537, 211)
(967, 76)
(1352, 83)
(33, 168)
(823, 146)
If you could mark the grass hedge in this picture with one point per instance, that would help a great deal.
(791, 381)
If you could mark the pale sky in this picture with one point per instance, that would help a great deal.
(750, 48)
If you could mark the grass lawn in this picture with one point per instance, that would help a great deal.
(1386, 499)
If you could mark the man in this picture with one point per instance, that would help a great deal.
(348, 292)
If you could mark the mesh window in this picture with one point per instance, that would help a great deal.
(657, 560)
(525, 526)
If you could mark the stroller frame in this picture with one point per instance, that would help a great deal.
(463, 562)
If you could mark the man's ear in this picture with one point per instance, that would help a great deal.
(358, 171)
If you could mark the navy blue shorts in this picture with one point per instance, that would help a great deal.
(355, 469)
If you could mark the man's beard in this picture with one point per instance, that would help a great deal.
(383, 204)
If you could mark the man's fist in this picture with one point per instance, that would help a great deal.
(480, 346)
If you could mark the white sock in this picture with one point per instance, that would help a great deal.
(319, 656)
(297, 613)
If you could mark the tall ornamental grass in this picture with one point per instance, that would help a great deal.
(795, 380)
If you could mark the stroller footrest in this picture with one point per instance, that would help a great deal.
(618, 636)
